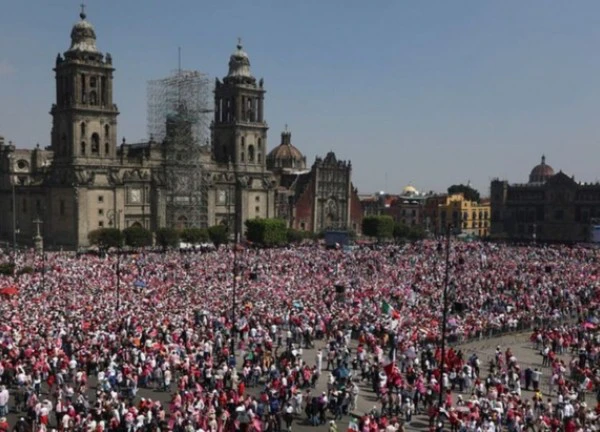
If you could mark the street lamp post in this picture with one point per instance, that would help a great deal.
(444, 318)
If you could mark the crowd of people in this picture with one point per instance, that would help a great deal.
(221, 337)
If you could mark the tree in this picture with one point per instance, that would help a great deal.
(136, 236)
(380, 227)
(416, 233)
(218, 235)
(266, 232)
(106, 237)
(296, 236)
(167, 237)
(401, 231)
(194, 235)
(468, 192)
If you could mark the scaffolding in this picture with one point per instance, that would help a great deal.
(179, 115)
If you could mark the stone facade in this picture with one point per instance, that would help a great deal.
(550, 207)
(84, 180)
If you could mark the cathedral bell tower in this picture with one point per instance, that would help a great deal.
(239, 131)
(84, 117)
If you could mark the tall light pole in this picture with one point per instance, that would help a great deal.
(11, 158)
(444, 318)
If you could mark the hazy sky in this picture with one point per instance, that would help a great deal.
(424, 92)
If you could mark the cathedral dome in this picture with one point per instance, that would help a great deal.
(83, 36)
(239, 63)
(285, 155)
(540, 173)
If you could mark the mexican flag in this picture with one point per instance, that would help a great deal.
(388, 310)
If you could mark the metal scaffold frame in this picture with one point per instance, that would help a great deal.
(184, 101)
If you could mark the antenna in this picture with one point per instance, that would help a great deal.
(179, 75)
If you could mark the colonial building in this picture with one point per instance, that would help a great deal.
(550, 207)
(469, 218)
(317, 199)
(85, 180)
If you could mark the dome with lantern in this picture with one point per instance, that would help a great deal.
(83, 36)
(540, 173)
(410, 190)
(239, 66)
(286, 155)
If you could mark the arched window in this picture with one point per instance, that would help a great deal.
(259, 158)
(95, 144)
(259, 144)
(82, 130)
(82, 146)
(251, 153)
(242, 157)
(106, 149)
(106, 131)
(93, 98)
(243, 141)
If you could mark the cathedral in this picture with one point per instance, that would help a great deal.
(85, 180)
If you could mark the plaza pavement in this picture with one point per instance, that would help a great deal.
(484, 348)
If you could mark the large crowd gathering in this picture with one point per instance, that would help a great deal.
(217, 340)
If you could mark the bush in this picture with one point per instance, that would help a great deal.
(380, 227)
(136, 236)
(25, 270)
(296, 236)
(7, 269)
(266, 232)
(401, 231)
(106, 237)
(167, 237)
(218, 235)
(194, 235)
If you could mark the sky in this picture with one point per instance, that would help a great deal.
(428, 93)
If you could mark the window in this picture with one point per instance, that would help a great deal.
(62, 208)
(243, 142)
(259, 144)
(259, 158)
(257, 209)
(100, 224)
(82, 127)
(251, 153)
(93, 82)
(95, 144)
(302, 226)
(106, 149)
(100, 212)
(106, 131)
(100, 198)
(83, 148)
(257, 199)
(93, 98)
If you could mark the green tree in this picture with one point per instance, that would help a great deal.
(401, 231)
(380, 227)
(296, 236)
(194, 235)
(106, 237)
(167, 237)
(218, 235)
(136, 236)
(468, 192)
(416, 233)
(267, 232)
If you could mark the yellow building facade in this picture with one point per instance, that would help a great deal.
(467, 217)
